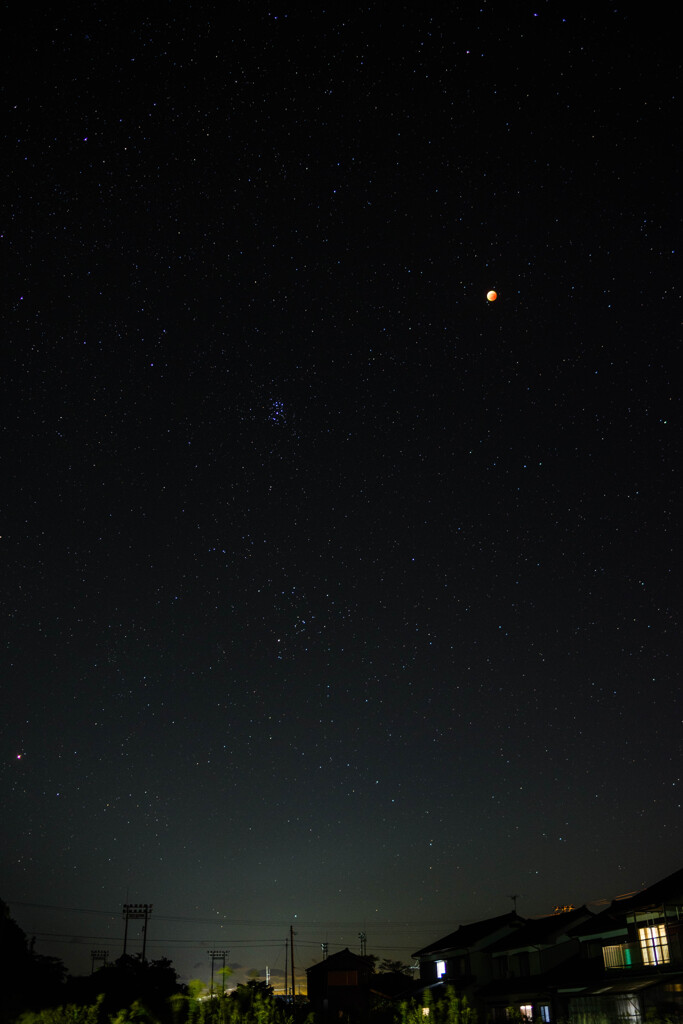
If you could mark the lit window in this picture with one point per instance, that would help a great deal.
(654, 945)
(628, 1009)
(441, 968)
(526, 1011)
(544, 1013)
(425, 1011)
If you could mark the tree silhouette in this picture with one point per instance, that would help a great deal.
(387, 966)
(32, 980)
(127, 983)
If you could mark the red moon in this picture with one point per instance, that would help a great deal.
(492, 296)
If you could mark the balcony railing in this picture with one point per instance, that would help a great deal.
(634, 954)
(626, 954)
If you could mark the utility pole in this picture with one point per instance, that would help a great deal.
(363, 943)
(218, 954)
(96, 955)
(291, 943)
(324, 948)
(148, 911)
(136, 910)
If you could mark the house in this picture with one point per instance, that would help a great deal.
(527, 964)
(623, 964)
(462, 958)
(340, 985)
(632, 956)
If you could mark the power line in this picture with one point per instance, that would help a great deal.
(188, 943)
(192, 943)
(240, 922)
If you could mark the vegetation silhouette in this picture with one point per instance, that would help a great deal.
(32, 981)
(126, 983)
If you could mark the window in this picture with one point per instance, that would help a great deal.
(544, 1013)
(337, 979)
(628, 1009)
(441, 968)
(654, 945)
(526, 1011)
(586, 1009)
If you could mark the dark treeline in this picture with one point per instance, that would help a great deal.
(37, 990)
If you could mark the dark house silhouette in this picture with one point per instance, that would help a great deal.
(526, 964)
(462, 958)
(340, 985)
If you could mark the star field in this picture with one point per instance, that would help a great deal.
(334, 594)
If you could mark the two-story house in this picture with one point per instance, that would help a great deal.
(632, 956)
(340, 985)
(528, 965)
(617, 965)
(462, 958)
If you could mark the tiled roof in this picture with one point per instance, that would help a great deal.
(468, 935)
(542, 931)
(341, 961)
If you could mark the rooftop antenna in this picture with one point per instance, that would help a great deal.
(514, 898)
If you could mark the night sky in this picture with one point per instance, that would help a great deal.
(333, 594)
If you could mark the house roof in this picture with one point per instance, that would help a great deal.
(543, 931)
(611, 922)
(667, 890)
(344, 960)
(605, 924)
(475, 934)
